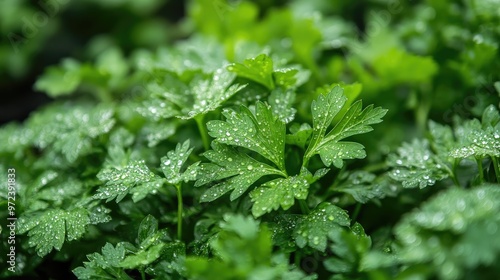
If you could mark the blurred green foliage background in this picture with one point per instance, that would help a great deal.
(418, 58)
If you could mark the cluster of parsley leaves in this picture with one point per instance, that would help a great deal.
(245, 151)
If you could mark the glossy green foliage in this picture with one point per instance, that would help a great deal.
(423, 162)
(315, 227)
(355, 121)
(137, 179)
(233, 143)
(416, 166)
(455, 231)
(240, 169)
(63, 225)
(243, 250)
(70, 131)
(199, 97)
(260, 130)
(153, 245)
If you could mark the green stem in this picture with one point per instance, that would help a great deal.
(303, 207)
(453, 172)
(356, 212)
(422, 116)
(194, 157)
(179, 211)
(203, 132)
(305, 161)
(143, 275)
(497, 168)
(297, 258)
(480, 169)
(424, 107)
(332, 188)
(455, 180)
(375, 167)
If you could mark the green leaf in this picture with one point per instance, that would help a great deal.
(172, 97)
(335, 153)
(479, 139)
(214, 92)
(246, 227)
(197, 53)
(143, 257)
(168, 96)
(279, 192)
(416, 166)
(171, 264)
(71, 130)
(147, 228)
(349, 246)
(456, 231)
(15, 139)
(173, 162)
(323, 110)
(155, 132)
(126, 256)
(49, 230)
(258, 69)
(239, 170)
(241, 254)
(98, 214)
(398, 66)
(108, 73)
(442, 138)
(314, 229)
(351, 91)
(111, 62)
(121, 137)
(228, 242)
(355, 121)
(283, 226)
(57, 193)
(111, 256)
(260, 132)
(491, 117)
(135, 178)
(281, 102)
(286, 78)
(205, 269)
(105, 265)
(300, 134)
(365, 187)
(60, 80)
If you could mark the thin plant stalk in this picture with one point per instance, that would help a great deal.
(179, 211)
(480, 169)
(497, 168)
(203, 132)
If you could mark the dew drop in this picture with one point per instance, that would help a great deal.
(316, 240)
